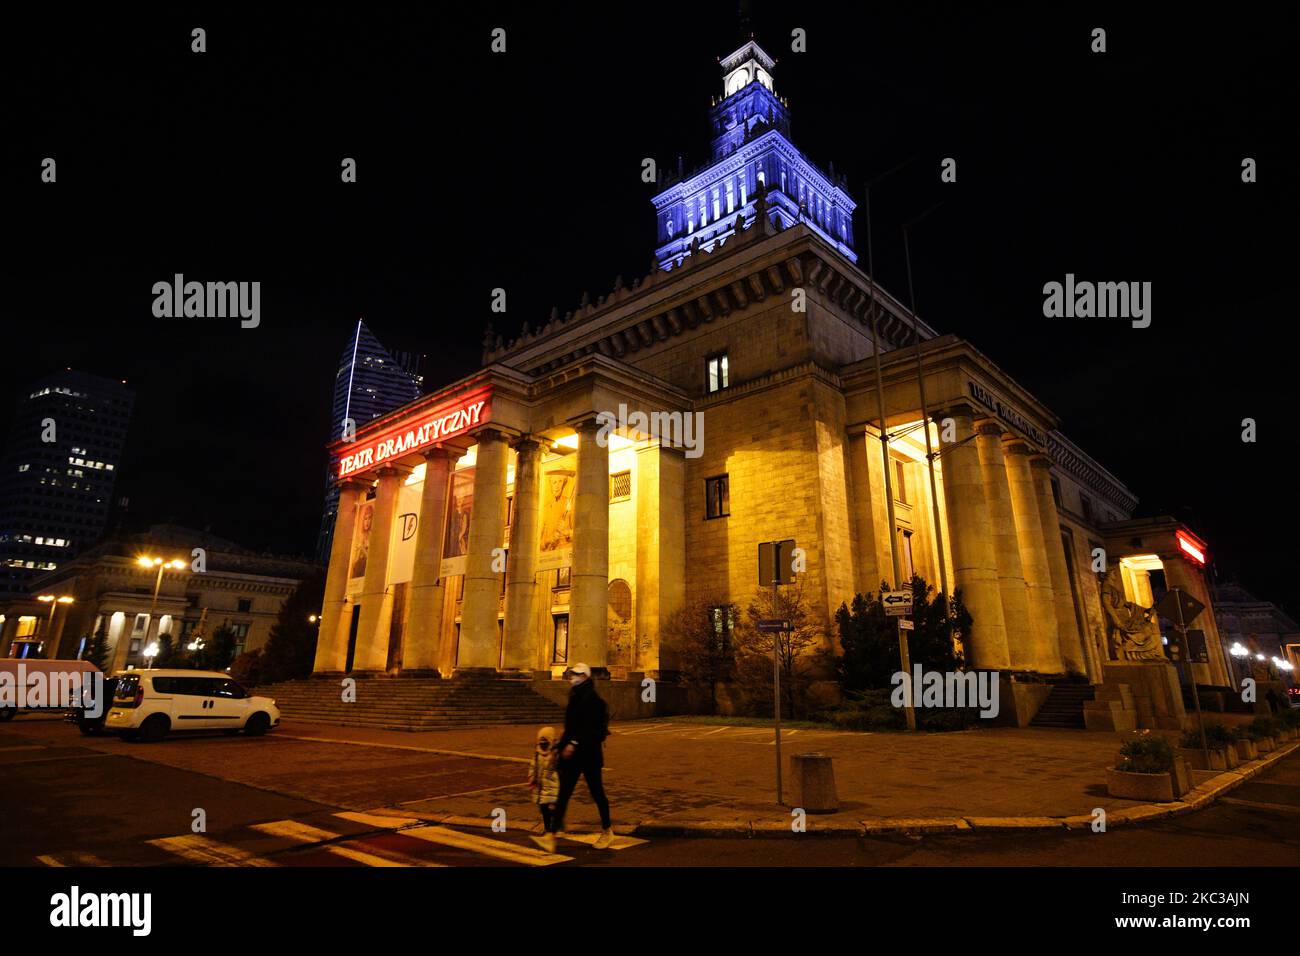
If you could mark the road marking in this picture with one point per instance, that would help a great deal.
(620, 842)
(1283, 807)
(379, 857)
(461, 841)
(200, 849)
(464, 793)
(493, 848)
(293, 830)
(77, 859)
(280, 735)
(718, 731)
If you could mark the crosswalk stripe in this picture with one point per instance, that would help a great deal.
(377, 857)
(200, 849)
(461, 841)
(620, 842)
(72, 858)
(293, 830)
(478, 844)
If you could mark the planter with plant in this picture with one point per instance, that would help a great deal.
(1220, 744)
(1246, 749)
(1263, 730)
(1148, 770)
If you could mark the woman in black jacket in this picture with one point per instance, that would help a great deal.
(586, 725)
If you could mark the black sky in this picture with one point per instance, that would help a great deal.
(522, 171)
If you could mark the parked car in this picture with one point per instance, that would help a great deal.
(54, 677)
(149, 704)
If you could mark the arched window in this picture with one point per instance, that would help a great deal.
(668, 227)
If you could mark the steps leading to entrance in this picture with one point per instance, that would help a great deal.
(1064, 706)
(415, 703)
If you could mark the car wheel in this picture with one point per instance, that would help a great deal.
(257, 724)
(154, 729)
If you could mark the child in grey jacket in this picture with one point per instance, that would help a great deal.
(543, 779)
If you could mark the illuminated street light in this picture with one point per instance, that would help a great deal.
(150, 653)
(53, 601)
(312, 618)
(1238, 651)
(162, 564)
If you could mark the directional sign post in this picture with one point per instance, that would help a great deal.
(898, 604)
(775, 567)
(1181, 608)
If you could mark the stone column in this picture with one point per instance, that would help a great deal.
(373, 628)
(332, 633)
(1073, 655)
(975, 566)
(480, 634)
(660, 550)
(1045, 652)
(588, 624)
(520, 650)
(1006, 547)
(867, 477)
(424, 619)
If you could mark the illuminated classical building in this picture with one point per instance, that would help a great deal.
(500, 524)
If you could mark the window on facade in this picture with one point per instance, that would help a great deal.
(900, 482)
(505, 563)
(245, 605)
(620, 486)
(1085, 505)
(562, 577)
(1056, 492)
(717, 497)
(731, 198)
(668, 228)
(717, 374)
(560, 654)
(717, 207)
(905, 554)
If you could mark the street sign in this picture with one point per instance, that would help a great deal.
(906, 625)
(1175, 600)
(897, 603)
(774, 559)
(773, 625)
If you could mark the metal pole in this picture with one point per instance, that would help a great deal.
(1196, 695)
(907, 670)
(925, 415)
(153, 607)
(776, 669)
(880, 400)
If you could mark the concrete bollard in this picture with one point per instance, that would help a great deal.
(814, 783)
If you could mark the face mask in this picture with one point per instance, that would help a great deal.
(576, 679)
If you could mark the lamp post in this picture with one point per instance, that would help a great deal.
(162, 564)
(53, 601)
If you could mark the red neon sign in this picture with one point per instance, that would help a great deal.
(422, 429)
(1191, 547)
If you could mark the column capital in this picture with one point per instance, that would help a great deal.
(401, 471)
(586, 424)
(1018, 447)
(1039, 460)
(490, 433)
(353, 484)
(988, 427)
(963, 409)
(439, 453)
(527, 444)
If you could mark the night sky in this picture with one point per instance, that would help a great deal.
(522, 171)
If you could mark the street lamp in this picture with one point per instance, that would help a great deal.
(150, 653)
(162, 564)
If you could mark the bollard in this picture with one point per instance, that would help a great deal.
(814, 783)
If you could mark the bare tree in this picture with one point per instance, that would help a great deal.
(799, 651)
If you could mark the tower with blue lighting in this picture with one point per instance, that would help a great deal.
(752, 152)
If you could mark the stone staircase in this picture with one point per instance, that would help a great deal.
(415, 703)
(1064, 706)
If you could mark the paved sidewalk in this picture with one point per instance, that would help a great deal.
(672, 777)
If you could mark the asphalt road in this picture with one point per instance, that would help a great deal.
(276, 801)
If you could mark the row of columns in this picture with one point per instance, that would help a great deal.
(483, 644)
(1008, 558)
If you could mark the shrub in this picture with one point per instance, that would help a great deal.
(866, 710)
(247, 668)
(1146, 754)
(1263, 726)
(1289, 718)
(1216, 737)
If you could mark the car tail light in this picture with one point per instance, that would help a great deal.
(139, 696)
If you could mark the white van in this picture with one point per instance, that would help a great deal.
(38, 684)
(148, 704)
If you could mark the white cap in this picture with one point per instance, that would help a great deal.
(582, 669)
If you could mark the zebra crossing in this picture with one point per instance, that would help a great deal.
(377, 838)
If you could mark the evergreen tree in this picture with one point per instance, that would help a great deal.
(290, 653)
(97, 648)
